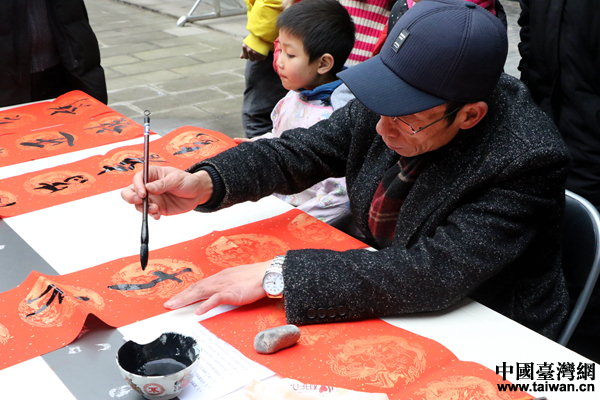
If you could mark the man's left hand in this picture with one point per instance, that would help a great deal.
(235, 286)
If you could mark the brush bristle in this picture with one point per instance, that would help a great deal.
(144, 256)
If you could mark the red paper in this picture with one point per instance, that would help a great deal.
(369, 356)
(72, 122)
(101, 174)
(69, 107)
(45, 313)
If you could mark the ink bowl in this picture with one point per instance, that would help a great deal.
(161, 369)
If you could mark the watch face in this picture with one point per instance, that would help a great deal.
(273, 283)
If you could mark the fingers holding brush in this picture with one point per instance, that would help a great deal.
(171, 191)
(144, 249)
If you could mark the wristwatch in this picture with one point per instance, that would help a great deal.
(273, 279)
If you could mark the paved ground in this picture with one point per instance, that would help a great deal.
(190, 74)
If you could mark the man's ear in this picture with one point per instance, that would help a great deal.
(471, 114)
(325, 63)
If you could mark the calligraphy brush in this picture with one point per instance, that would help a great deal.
(144, 246)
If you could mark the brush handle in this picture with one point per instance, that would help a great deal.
(145, 235)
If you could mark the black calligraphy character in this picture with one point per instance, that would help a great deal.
(10, 120)
(40, 142)
(129, 163)
(58, 186)
(161, 276)
(116, 125)
(56, 293)
(52, 187)
(76, 178)
(70, 108)
(204, 140)
(7, 204)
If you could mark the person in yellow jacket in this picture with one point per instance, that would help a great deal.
(263, 86)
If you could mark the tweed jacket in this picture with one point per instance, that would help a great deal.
(481, 221)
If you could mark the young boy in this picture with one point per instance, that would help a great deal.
(315, 39)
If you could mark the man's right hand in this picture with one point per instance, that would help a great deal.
(171, 191)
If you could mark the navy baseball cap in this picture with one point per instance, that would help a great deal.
(438, 51)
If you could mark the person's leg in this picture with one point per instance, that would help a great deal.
(263, 91)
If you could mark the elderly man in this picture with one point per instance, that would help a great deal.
(452, 172)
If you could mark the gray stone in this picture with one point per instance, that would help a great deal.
(274, 339)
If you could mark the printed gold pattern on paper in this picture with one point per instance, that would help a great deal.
(269, 321)
(305, 227)
(380, 361)
(314, 334)
(230, 251)
(7, 199)
(461, 388)
(4, 334)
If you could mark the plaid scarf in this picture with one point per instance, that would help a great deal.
(390, 194)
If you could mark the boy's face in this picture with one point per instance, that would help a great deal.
(295, 70)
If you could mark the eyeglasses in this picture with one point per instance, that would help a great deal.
(428, 125)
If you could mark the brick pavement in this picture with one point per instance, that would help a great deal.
(190, 74)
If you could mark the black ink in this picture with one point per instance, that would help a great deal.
(41, 142)
(204, 140)
(116, 125)
(70, 108)
(129, 163)
(9, 120)
(162, 276)
(60, 185)
(56, 293)
(70, 138)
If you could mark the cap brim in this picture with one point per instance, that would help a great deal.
(383, 92)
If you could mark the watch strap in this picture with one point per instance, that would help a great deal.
(276, 267)
(277, 264)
